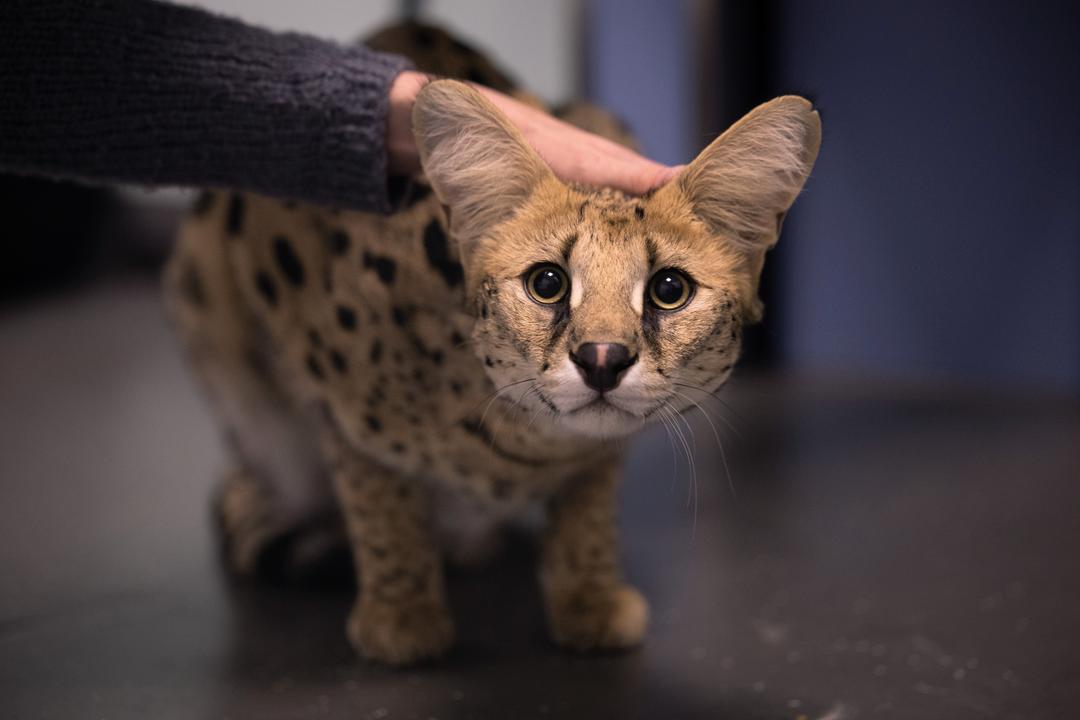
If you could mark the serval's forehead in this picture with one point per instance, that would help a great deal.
(608, 213)
(607, 200)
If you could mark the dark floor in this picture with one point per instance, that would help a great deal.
(894, 552)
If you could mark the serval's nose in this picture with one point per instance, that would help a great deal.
(602, 365)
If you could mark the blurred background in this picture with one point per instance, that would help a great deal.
(889, 533)
(938, 238)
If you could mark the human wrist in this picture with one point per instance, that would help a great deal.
(402, 155)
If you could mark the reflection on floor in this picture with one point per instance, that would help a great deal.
(880, 552)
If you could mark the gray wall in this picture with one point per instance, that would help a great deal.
(939, 235)
(536, 41)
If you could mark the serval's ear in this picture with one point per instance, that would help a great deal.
(476, 161)
(743, 183)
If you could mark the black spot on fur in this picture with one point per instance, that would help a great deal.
(568, 247)
(315, 367)
(650, 328)
(339, 362)
(639, 212)
(478, 76)
(338, 241)
(191, 285)
(315, 338)
(397, 190)
(399, 315)
(374, 423)
(397, 447)
(488, 361)
(384, 267)
(376, 352)
(346, 317)
(438, 254)
(456, 340)
(651, 251)
(203, 203)
(437, 357)
(559, 322)
(288, 262)
(420, 192)
(403, 192)
(456, 387)
(423, 36)
(581, 211)
(266, 287)
(234, 217)
(544, 367)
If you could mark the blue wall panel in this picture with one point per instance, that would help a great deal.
(940, 234)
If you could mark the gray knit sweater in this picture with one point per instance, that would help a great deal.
(150, 93)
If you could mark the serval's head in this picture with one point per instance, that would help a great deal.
(611, 308)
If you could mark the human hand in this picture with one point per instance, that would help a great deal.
(573, 154)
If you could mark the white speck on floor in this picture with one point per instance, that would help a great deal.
(770, 633)
(836, 712)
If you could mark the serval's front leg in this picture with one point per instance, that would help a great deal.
(401, 614)
(588, 605)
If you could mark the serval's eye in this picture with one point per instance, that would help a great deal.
(669, 289)
(547, 284)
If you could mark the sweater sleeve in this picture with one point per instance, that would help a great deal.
(150, 93)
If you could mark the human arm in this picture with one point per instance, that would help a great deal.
(157, 94)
